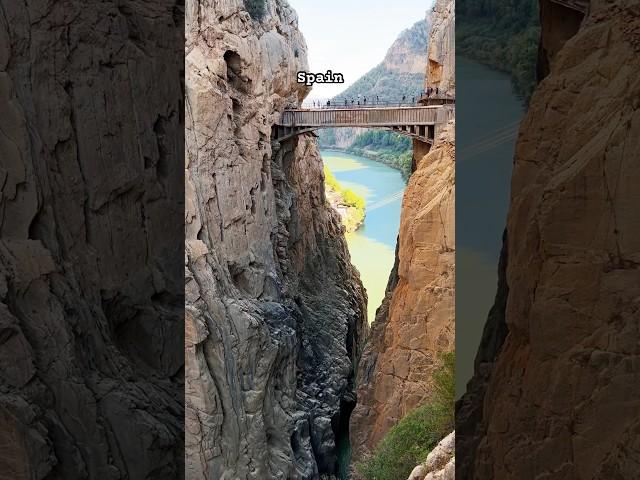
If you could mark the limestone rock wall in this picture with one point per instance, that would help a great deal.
(274, 310)
(406, 54)
(441, 59)
(416, 319)
(440, 463)
(91, 196)
(562, 398)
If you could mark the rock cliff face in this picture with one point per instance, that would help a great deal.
(416, 320)
(274, 309)
(441, 69)
(406, 54)
(559, 396)
(91, 196)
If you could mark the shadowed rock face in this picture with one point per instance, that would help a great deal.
(416, 319)
(563, 395)
(274, 309)
(91, 301)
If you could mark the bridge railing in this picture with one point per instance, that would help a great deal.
(436, 99)
(413, 101)
(370, 117)
(353, 105)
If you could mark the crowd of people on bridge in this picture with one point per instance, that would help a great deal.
(361, 101)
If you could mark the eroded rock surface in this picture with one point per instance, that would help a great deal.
(440, 463)
(441, 65)
(563, 389)
(416, 319)
(275, 311)
(91, 301)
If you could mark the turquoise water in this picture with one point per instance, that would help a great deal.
(372, 246)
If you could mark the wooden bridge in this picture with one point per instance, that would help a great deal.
(419, 122)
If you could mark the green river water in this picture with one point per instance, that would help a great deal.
(372, 246)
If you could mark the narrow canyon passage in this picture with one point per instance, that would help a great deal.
(372, 246)
(372, 250)
(280, 362)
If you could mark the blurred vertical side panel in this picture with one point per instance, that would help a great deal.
(555, 387)
(91, 247)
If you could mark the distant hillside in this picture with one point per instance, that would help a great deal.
(401, 72)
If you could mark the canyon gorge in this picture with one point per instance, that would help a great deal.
(277, 347)
(416, 321)
(179, 296)
(275, 313)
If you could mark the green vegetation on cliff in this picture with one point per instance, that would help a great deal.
(503, 35)
(410, 441)
(349, 204)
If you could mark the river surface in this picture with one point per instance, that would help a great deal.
(372, 246)
(487, 118)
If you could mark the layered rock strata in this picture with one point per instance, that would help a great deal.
(91, 281)
(557, 394)
(275, 311)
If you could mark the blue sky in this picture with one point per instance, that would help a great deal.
(352, 36)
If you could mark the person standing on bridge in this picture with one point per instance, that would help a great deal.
(352, 102)
(377, 99)
(365, 101)
(436, 90)
(328, 103)
(345, 102)
(404, 97)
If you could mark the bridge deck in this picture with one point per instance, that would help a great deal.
(365, 117)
